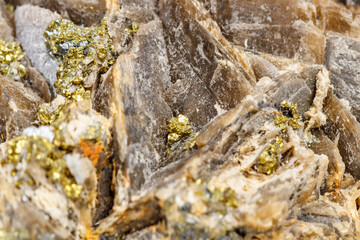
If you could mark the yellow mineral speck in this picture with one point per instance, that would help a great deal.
(10, 7)
(190, 143)
(178, 127)
(134, 28)
(10, 57)
(289, 115)
(268, 159)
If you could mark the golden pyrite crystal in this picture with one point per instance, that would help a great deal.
(289, 114)
(178, 127)
(134, 28)
(10, 57)
(79, 51)
(49, 157)
(269, 159)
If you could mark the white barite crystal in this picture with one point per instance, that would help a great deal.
(80, 167)
(31, 22)
(42, 131)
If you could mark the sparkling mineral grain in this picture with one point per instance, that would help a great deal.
(10, 57)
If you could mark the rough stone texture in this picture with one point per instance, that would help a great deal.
(227, 65)
(335, 18)
(141, 11)
(40, 84)
(80, 12)
(18, 108)
(31, 22)
(204, 70)
(342, 60)
(132, 94)
(218, 145)
(343, 125)
(282, 28)
(6, 31)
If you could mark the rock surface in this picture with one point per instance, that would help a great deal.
(18, 108)
(31, 22)
(198, 119)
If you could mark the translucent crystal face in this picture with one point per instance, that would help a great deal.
(79, 51)
(10, 57)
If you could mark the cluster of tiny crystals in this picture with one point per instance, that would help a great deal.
(79, 51)
(178, 127)
(10, 57)
(49, 155)
(134, 28)
(269, 159)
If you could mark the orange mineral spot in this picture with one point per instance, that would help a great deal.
(91, 150)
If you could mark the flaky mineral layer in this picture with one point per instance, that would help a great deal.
(179, 119)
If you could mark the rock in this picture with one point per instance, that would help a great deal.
(31, 22)
(141, 11)
(205, 69)
(277, 27)
(6, 31)
(40, 84)
(19, 106)
(80, 12)
(131, 93)
(342, 124)
(219, 143)
(208, 119)
(342, 60)
(336, 18)
(262, 67)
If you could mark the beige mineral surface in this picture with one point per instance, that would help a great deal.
(179, 119)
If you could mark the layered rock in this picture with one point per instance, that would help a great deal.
(216, 120)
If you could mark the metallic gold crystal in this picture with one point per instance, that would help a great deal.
(10, 57)
(289, 114)
(190, 143)
(178, 127)
(48, 115)
(268, 160)
(79, 51)
(134, 28)
(49, 157)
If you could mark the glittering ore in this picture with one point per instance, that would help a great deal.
(10, 57)
(80, 51)
(178, 127)
(268, 160)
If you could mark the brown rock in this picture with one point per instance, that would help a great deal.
(18, 107)
(336, 18)
(6, 31)
(131, 93)
(343, 125)
(278, 27)
(205, 69)
(80, 12)
(342, 60)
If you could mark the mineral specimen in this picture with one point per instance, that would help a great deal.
(179, 119)
(79, 51)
